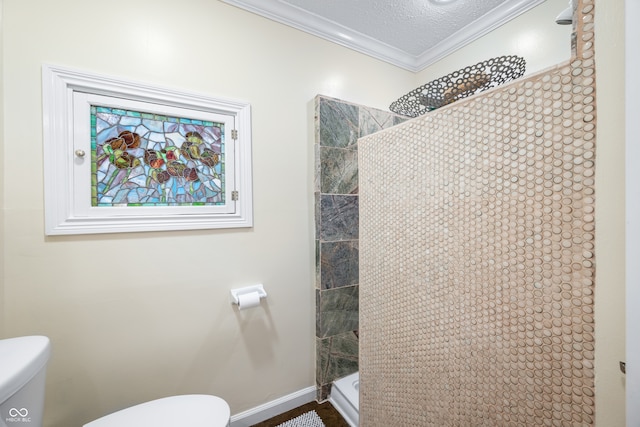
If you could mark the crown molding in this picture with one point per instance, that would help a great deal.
(311, 23)
(316, 25)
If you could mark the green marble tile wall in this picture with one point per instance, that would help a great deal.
(338, 126)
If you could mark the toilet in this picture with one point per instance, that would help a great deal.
(23, 363)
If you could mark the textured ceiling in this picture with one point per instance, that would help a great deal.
(411, 34)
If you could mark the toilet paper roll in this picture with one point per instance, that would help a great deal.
(248, 300)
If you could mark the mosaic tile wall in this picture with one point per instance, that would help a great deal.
(338, 126)
(477, 257)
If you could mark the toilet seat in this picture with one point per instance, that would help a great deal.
(196, 410)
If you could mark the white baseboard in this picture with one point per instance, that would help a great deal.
(273, 408)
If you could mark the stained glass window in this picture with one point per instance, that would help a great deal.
(147, 159)
(126, 156)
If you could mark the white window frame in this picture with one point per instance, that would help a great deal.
(67, 95)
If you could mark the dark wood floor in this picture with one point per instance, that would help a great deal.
(330, 416)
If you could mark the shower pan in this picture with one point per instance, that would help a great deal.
(345, 397)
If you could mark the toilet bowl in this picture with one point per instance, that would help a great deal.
(195, 410)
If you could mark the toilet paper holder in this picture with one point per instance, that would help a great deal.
(235, 293)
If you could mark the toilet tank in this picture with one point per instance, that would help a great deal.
(23, 362)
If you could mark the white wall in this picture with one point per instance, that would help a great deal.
(610, 214)
(534, 36)
(632, 57)
(1, 175)
(139, 316)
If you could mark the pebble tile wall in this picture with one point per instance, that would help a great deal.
(477, 257)
(338, 126)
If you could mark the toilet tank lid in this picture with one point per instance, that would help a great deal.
(195, 410)
(21, 359)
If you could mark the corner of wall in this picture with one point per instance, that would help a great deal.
(338, 125)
